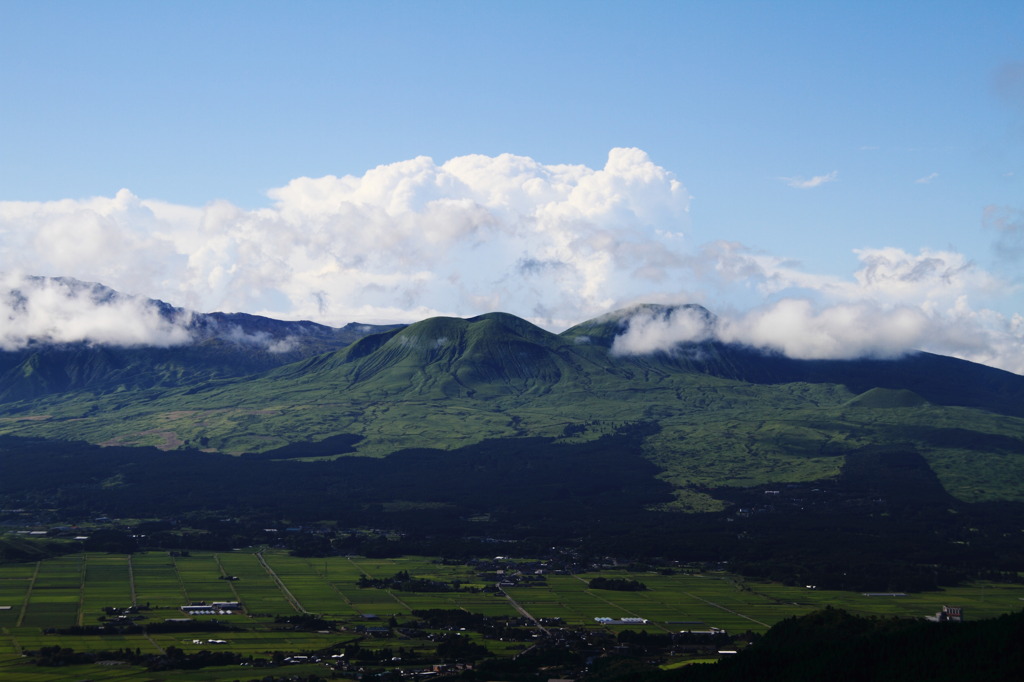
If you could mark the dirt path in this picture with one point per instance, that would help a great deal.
(184, 592)
(367, 574)
(231, 583)
(725, 608)
(519, 607)
(28, 595)
(155, 645)
(131, 581)
(619, 606)
(83, 562)
(281, 586)
(344, 597)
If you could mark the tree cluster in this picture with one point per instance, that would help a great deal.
(619, 584)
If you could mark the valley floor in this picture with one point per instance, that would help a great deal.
(359, 615)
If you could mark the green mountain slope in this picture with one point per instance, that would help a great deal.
(725, 415)
(488, 356)
(225, 346)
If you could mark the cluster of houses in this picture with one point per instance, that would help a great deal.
(948, 614)
(621, 621)
(217, 608)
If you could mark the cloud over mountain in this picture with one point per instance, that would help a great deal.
(553, 243)
(895, 303)
(45, 310)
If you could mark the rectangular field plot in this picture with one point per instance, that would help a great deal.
(51, 610)
(255, 588)
(370, 600)
(242, 565)
(979, 600)
(200, 577)
(307, 582)
(156, 580)
(55, 593)
(488, 604)
(17, 571)
(107, 582)
(12, 597)
(73, 590)
(379, 568)
(263, 599)
(419, 567)
(670, 603)
(60, 573)
(420, 601)
(256, 643)
(545, 602)
(32, 638)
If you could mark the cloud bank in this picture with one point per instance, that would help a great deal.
(44, 310)
(553, 243)
(894, 304)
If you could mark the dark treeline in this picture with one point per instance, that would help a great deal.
(620, 584)
(885, 524)
(840, 647)
(172, 659)
(133, 628)
(404, 582)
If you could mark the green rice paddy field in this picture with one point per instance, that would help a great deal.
(73, 590)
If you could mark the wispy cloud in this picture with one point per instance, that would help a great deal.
(926, 179)
(1008, 224)
(811, 183)
(1009, 83)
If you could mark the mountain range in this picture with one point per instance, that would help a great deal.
(721, 415)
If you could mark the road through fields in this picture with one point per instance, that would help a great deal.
(284, 590)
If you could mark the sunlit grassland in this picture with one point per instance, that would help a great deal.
(713, 431)
(768, 444)
(976, 471)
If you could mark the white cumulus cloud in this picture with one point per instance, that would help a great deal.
(555, 243)
(401, 241)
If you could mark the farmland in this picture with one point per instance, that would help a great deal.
(80, 590)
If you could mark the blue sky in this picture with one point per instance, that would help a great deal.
(817, 146)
